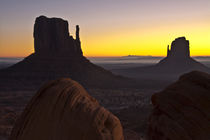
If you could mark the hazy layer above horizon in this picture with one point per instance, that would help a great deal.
(112, 62)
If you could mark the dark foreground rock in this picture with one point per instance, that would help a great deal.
(131, 106)
(63, 110)
(182, 110)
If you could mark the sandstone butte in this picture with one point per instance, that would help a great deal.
(177, 62)
(57, 54)
(178, 58)
(63, 110)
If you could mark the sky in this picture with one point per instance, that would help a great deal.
(110, 27)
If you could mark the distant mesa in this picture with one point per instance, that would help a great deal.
(57, 54)
(178, 58)
(177, 61)
(62, 109)
(182, 110)
(179, 48)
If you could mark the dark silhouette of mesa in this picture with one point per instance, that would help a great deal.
(178, 58)
(57, 54)
(177, 62)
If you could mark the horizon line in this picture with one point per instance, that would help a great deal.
(111, 56)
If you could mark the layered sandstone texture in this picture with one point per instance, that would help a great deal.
(182, 110)
(63, 110)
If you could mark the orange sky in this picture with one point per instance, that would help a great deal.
(113, 28)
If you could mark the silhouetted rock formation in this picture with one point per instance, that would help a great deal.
(63, 110)
(177, 62)
(178, 58)
(182, 110)
(57, 54)
(51, 36)
(179, 48)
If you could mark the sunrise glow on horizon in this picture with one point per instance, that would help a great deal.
(119, 28)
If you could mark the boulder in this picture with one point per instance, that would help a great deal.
(182, 110)
(63, 110)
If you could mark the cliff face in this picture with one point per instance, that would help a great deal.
(51, 36)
